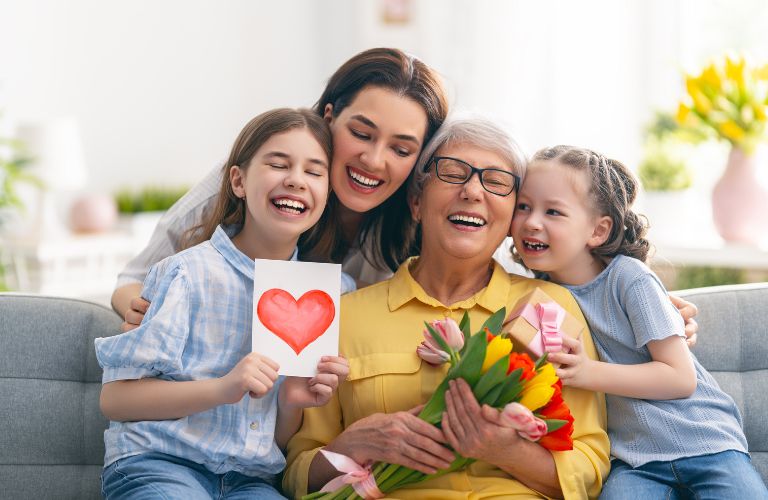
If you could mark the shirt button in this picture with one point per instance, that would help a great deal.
(254, 426)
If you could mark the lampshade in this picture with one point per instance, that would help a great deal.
(56, 151)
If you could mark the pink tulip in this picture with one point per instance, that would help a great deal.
(430, 350)
(523, 420)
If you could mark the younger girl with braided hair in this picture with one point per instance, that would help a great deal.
(674, 433)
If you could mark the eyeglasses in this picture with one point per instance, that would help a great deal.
(494, 180)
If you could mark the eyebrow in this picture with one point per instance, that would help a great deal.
(367, 121)
(280, 154)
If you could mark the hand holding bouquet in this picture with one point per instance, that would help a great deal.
(526, 393)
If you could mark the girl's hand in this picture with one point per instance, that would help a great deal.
(303, 392)
(574, 363)
(254, 374)
(135, 314)
(399, 438)
(475, 431)
(687, 310)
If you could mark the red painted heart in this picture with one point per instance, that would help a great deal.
(297, 323)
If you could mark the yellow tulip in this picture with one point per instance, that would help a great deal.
(734, 70)
(761, 73)
(700, 101)
(546, 375)
(759, 110)
(497, 349)
(535, 396)
(731, 130)
(683, 112)
(711, 77)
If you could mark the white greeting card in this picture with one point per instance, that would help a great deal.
(296, 313)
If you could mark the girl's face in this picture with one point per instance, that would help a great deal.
(554, 224)
(463, 220)
(285, 186)
(376, 142)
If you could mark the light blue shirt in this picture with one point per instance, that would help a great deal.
(626, 307)
(198, 326)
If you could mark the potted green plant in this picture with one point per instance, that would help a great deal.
(665, 177)
(13, 174)
(141, 210)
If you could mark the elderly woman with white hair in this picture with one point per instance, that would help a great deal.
(463, 195)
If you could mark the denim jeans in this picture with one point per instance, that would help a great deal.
(160, 476)
(720, 476)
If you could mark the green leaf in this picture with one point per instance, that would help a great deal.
(553, 424)
(495, 321)
(493, 377)
(511, 389)
(541, 361)
(472, 361)
(466, 330)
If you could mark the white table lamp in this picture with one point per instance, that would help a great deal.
(58, 161)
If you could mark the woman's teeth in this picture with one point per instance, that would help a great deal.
(290, 206)
(363, 180)
(466, 220)
(535, 245)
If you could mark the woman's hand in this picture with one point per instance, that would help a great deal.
(476, 431)
(398, 438)
(687, 310)
(574, 363)
(135, 314)
(303, 392)
(254, 374)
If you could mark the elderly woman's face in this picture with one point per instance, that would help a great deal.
(464, 220)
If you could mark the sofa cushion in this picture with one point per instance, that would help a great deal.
(52, 443)
(733, 346)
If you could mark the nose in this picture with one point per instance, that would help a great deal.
(294, 179)
(374, 156)
(472, 190)
(531, 221)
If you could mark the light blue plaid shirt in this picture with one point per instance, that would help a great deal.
(198, 326)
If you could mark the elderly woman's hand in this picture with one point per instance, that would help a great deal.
(476, 431)
(687, 310)
(399, 438)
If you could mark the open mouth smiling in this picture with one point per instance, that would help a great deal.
(363, 181)
(289, 206)
(535, 246)
(467, 220)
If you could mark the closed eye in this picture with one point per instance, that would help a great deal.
(402, 152)
(279, 166)
(360, 135)
(315, 173)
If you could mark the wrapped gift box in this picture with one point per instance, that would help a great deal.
(530, 334)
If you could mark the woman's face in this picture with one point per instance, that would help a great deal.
(464, 220)
(376, 141)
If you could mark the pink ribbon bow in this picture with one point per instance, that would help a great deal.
(546, 318)
(361, 478)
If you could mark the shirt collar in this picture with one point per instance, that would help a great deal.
(403, 288)
(222, 242)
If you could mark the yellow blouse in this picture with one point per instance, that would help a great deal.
(380, 328)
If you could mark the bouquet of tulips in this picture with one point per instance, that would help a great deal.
(527, 392)
(730, 99)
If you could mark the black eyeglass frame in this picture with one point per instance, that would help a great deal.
(472, 171)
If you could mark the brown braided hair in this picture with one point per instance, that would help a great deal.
(613, 189)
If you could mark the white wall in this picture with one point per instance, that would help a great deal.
(161, 88)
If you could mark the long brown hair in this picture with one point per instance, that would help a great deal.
(388, 234)
(229, 208)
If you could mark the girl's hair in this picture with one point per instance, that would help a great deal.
(229, 208)
(474, 131)
(387, 234)
(613, 189)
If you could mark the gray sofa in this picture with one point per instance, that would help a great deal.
(51, 440)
